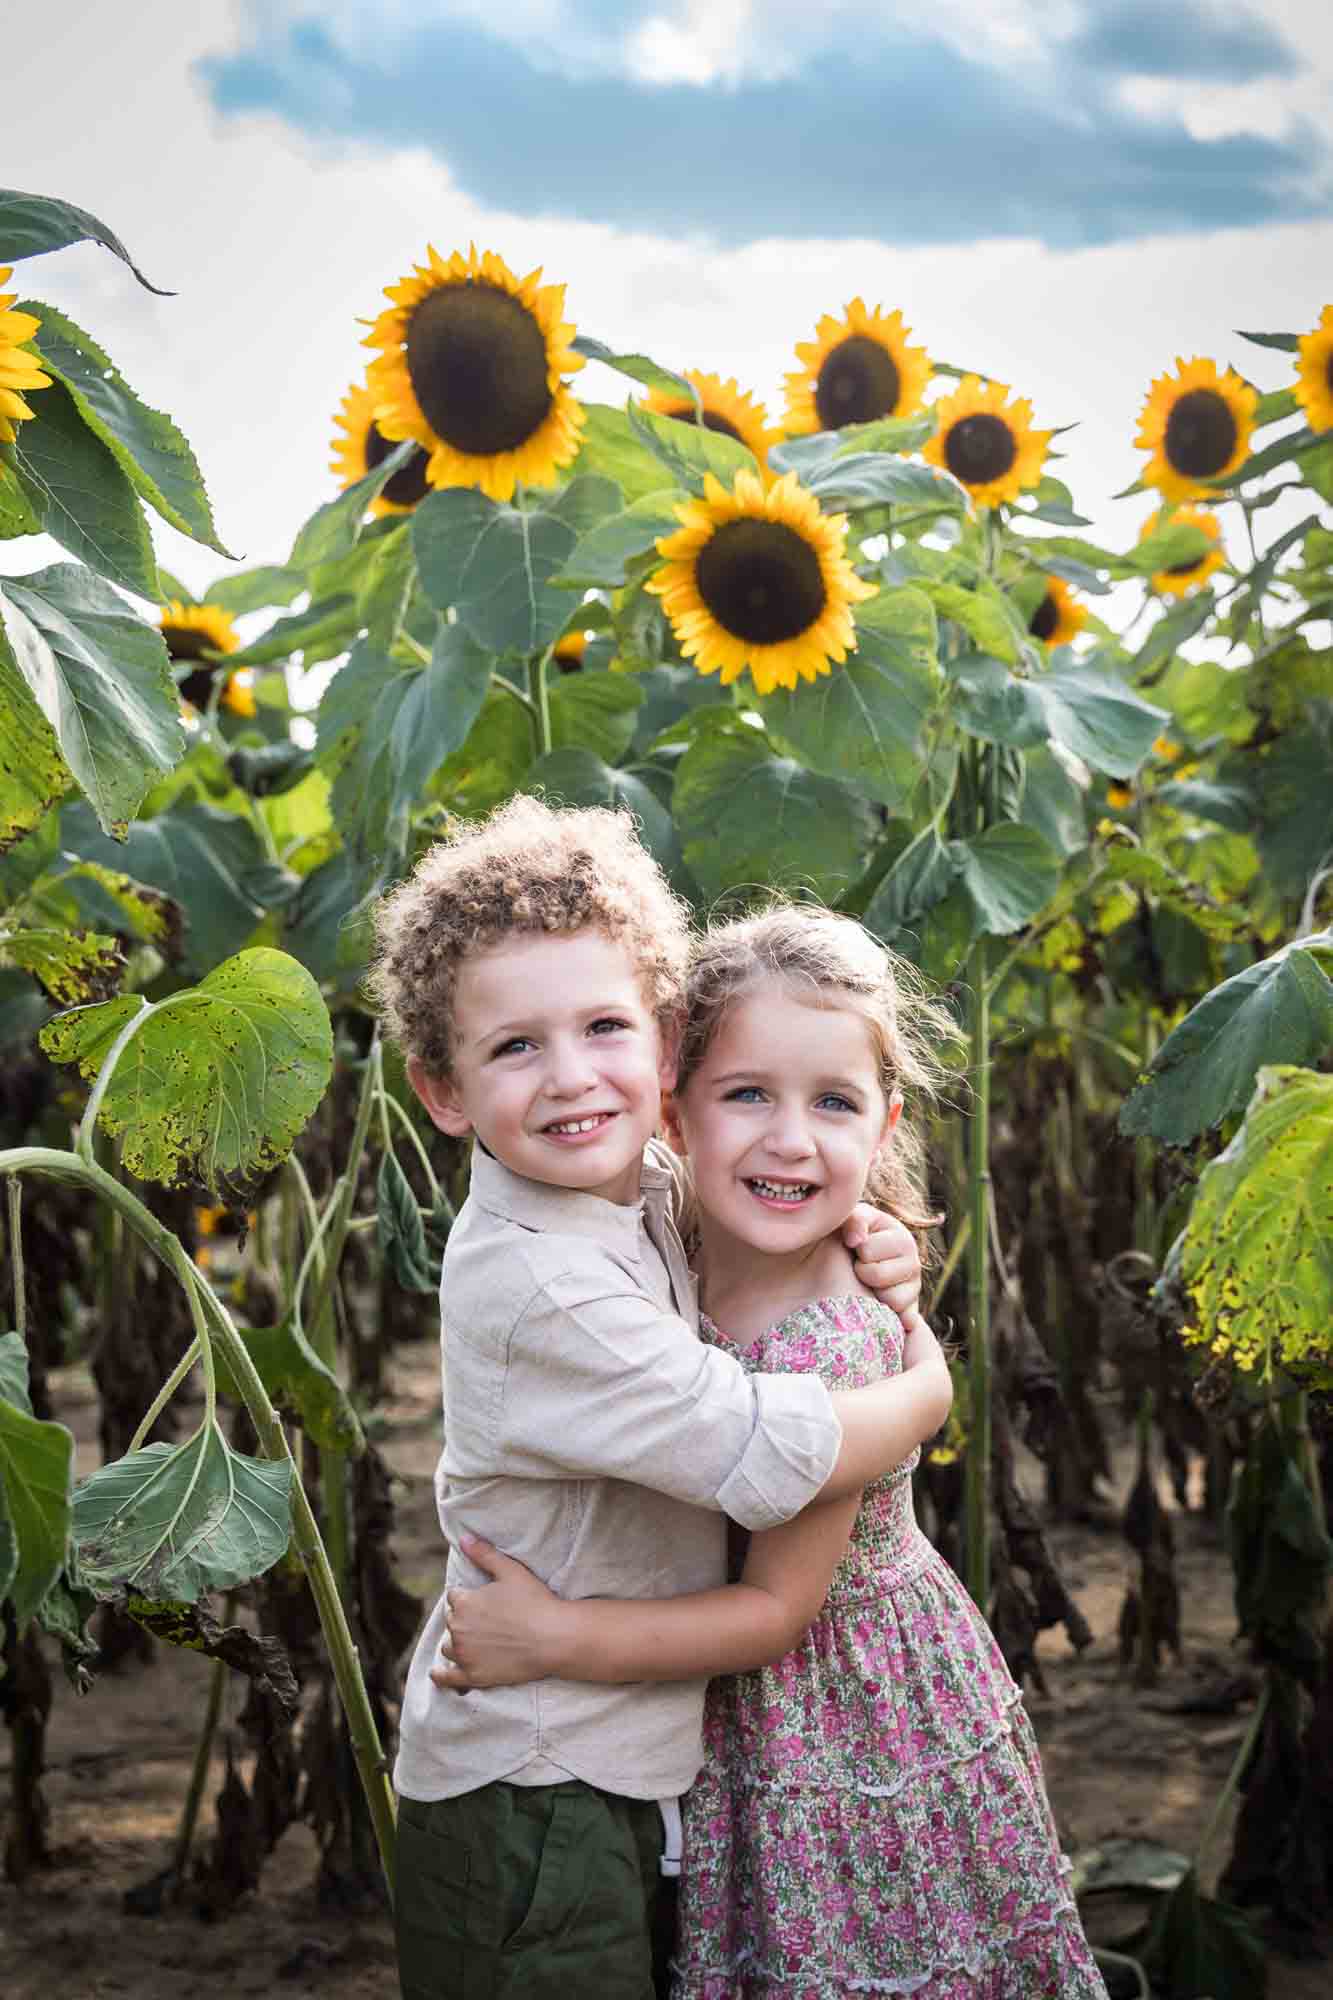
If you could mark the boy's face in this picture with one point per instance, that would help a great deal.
(558, 1066)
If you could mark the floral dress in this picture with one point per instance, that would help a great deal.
(871, 1816)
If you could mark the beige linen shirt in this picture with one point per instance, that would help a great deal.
(590, 1433)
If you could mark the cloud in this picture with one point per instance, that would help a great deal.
(735, 120)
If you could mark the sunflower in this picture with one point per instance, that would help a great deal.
(1120, 797)
(758, 577)
(1314, 371)
(193, 633)
(471, 368)
(725, 407)
(1197, 426)
(856, 369)
(568, 652)
(18, 370)
(1181, 577)
(363, 446)
(987, 442)
(1059, 616)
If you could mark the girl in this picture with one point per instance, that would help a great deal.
(871, 1816)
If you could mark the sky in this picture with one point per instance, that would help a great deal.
(1063, 194)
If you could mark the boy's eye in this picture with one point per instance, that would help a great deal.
(511, 1047)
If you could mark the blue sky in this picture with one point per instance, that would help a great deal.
(1076, 124)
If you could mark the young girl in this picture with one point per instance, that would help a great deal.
(871, 1816)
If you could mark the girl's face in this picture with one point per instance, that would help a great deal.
(783, 1117)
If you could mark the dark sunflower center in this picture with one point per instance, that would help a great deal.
(1045, 618)
(184, 643)
(477, 359)
(685, 413)
(857, 382)
(979, 448)
(408, 484)
(1200, 434)
(761, 581)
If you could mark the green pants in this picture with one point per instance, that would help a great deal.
(529, 1892)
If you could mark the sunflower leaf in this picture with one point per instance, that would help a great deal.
(872, 479)
(252, 590)
(1094, 714)
(862, 722)
(147, 445)
(494, 564)
(32, 224)
(36, 1475)
(688, 451)
(220, 1078)
(334, 528)
(749, 818)
(639, 368)
(71, 967)
(922, 876)
(103, 681)
(599, 557)
(578, 777)
(321, 630)
(33, 774)
(611, 446)
(596, 712)
(1286, 343)
(985, 614)
(75, 485)
(1010, 873)
(990, 702)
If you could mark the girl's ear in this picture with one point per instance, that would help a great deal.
(441, 1099)
(891, 1117)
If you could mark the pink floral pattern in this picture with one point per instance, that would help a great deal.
(871, 1817)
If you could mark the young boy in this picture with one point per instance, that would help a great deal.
(532, 970)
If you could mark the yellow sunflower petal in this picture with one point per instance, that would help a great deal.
(987, 442)
(471, 366)
(759, 578)
(1196, 425)
(359, 446)
(1314, 373)
(724, 407)
(1059, 617)
(856, 369)
(19, 370)
(192, 633)
(1181, 578)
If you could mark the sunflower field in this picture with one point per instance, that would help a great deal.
(861, 651)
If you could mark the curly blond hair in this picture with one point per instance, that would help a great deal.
(823, 957)
(528, 867)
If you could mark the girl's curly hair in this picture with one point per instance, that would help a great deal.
(528, 867)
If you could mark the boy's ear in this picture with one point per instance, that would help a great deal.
(441, 1099)
(668, 1055)
(671, 1126)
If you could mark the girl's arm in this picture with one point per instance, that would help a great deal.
(516, 1630)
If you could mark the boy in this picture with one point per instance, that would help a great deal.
(532, 970)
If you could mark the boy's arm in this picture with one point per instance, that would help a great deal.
(883, 1423)
(516, 1630)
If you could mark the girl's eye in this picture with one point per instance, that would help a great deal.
(745, 1093)
(607, 1024)
(838, 1102)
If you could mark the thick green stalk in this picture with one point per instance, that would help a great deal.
(366, 1747)
(14, 1204)
(203, 1757)
(977, 1469)
(540, 697)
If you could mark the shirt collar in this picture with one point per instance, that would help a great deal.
(535, 1205)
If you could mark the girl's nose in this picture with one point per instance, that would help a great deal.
(788, 1138)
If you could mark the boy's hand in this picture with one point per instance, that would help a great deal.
(887, 1259)
(502, 1634)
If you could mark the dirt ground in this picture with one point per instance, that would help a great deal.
(1119, 1761)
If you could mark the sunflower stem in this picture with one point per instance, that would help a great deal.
(977, 1470)
(14, 1206)
(539, 695)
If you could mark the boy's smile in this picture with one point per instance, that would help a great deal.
(559, 1068)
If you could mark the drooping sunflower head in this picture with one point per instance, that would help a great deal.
(568, 651)
(759, 578)
(1059, 616)
(855, 370)
(1181, 578)
(987, 442)
(18, 369)
(360, 445)
(1197, 424)
(723, 407)
(471, 366)
(194, 633)
(1314, 373)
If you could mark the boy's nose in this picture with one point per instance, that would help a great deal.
(569, 1072)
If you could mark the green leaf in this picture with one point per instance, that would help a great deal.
(862, 722)
(148, 447)
(492, 761)
(210, 863)
(177, 1521)
(318, 632)
(386, 589)
(269, 769)
(599, 558)
(1010, 873)
(869, 479)
(103, 681)
(578, 777)
(1176, 542)
(17, 514)
(32, 224)
(748, 818)
(253, 589)
(220, 1078)
(33, 774)
(1095, 715)
(1279, 1011)
(493, 564)
(990, 702)
(1286, 343)
(809, 456)
(75, 486)
(595, 712)
(299, 1381)
(921, 877)
(36, 1471)
(1145, 870)
(1257, 1256)
(638, 367)
(69, 966)
(400, 1231)
(317, 930)
(984, 614)
(1201, 1950)
(335, 528)
(1280, 1556)
(689, 451)
(612, 448)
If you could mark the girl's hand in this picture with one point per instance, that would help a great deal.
(887, 1259)
(505, 1633)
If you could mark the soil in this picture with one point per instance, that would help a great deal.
(1121, 1761)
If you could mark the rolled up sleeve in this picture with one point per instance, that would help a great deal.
(601, 1384)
